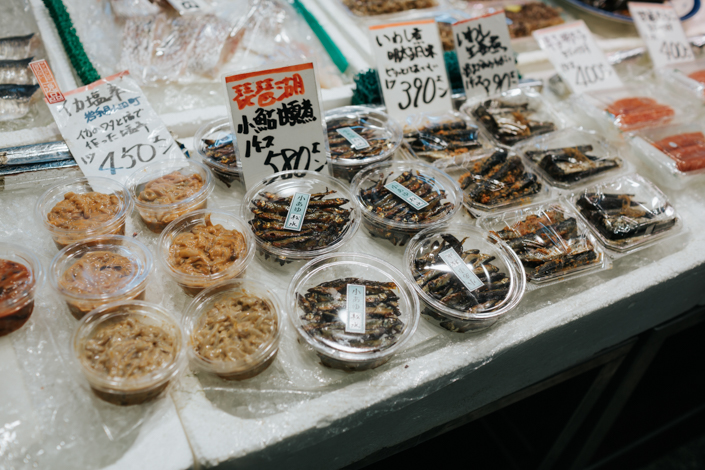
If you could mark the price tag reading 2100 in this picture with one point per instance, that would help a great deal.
(411, 68)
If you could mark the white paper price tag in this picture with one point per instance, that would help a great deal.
(276, 116)
(187, 7)
(460, 269)
(111, 129)
(660, 28)
(573, 52)
(485, 55)
(356, 305)
(412, 72)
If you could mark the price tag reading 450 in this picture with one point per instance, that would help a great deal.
(412, 72)
(661, 30)
(276, 116)
(573, 52)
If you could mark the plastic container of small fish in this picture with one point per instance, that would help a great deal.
(674, 154)
(552, 242)
(443, 136)
(325, 304)
(164, 191)
(496, 182)
(389, 216)
(100, 271)
(571, 157)
(205, 247)
(104, 343)
(72, 212)
(627, 213)
(359, 136)
(378, 11)
(21, 276)
(689, 77)
(514, 115)
(216, 144)
(232, 329)
(330, 221)
(488, 282)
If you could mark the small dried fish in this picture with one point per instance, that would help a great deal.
(449, 138)
(16, 72)
(510, 123)
(14, 100)
(572, 164)
(15, 47)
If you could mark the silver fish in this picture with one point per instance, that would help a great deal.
(17, 72)
(33, 154)
(14, 100)
(16, 47)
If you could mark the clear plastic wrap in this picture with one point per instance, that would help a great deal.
(21, 276)
(216, 144)
(627, 213)
(689, 77)
(383, 9)
(552, 242)
(674, 154)
(445, 299)
(514, 116)
(571, 157)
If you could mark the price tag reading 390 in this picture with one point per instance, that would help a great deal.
(661, 30)
(412, 72)
(573, 52)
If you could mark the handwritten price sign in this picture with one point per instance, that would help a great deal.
(411, 68)
(276, 116)
(485, 55)
(661, 30)
(573, 52)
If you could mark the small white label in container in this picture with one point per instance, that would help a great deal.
(355, 139)
(460, 269)
(297, 212)
(356, 309)
(187, 7)
(409, 197)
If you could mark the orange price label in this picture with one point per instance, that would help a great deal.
(52, 93)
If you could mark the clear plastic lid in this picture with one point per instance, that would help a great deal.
(552, 242)
(330, 221)
(233, 328)
(571, 157)
(21, 275)
(498, 277)
(215, 142)
(689, 76)
(514, 115)
(317, 301)
(441, 136)
(627, 213)
(381, 135)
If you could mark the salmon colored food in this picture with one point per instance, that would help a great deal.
(688, 150)
(638, 112)
(698, 76)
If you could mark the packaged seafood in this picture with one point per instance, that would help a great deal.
(99, 271)
(21, 276)
(359, 136)
(216, 144)
(15, 100)
(329, 222)
(552, 242)
(688, 77)
(16, 71)
(104, 345)
(627, 213)
(164, 191)
(514, 115)
(674, 154)
(465, 280)
(525, 18)
(399, 199)
(385, 7)
(16, 47)
(81, 208)
(433, 137)
(571, 157)
(205, 247)
(353, 309)
(232, 329)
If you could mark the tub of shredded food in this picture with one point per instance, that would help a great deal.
(129, 352)
(232, 329)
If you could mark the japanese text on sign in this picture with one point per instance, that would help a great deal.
(661, 30)
(460, 269)
(411, 68)
(485, 55)
(356, 140)
(111, 129)
(409, 197)
(573, 52)
(46, 80)
(297, 212)
(356, 309)
(277, 121)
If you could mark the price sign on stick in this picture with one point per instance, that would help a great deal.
(276, 116)
(573, 52)
(412, 72)
(109, 126)
(661, 30)
(485, 55)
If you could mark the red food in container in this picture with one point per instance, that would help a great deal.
(688, 150)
